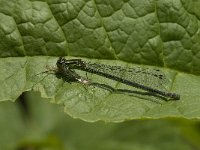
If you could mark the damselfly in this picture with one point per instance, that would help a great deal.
(136, 77)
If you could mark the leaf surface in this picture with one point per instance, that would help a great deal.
(149, 33)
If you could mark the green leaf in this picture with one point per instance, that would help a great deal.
(11, 125)
(152, 33)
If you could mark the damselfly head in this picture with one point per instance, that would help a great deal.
(60, 61)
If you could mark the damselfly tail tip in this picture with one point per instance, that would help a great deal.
(173, 96)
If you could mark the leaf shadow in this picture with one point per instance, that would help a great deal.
(139, 94)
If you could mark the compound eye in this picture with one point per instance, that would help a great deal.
(61, 60)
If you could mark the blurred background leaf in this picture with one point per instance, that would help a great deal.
(33, 123)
